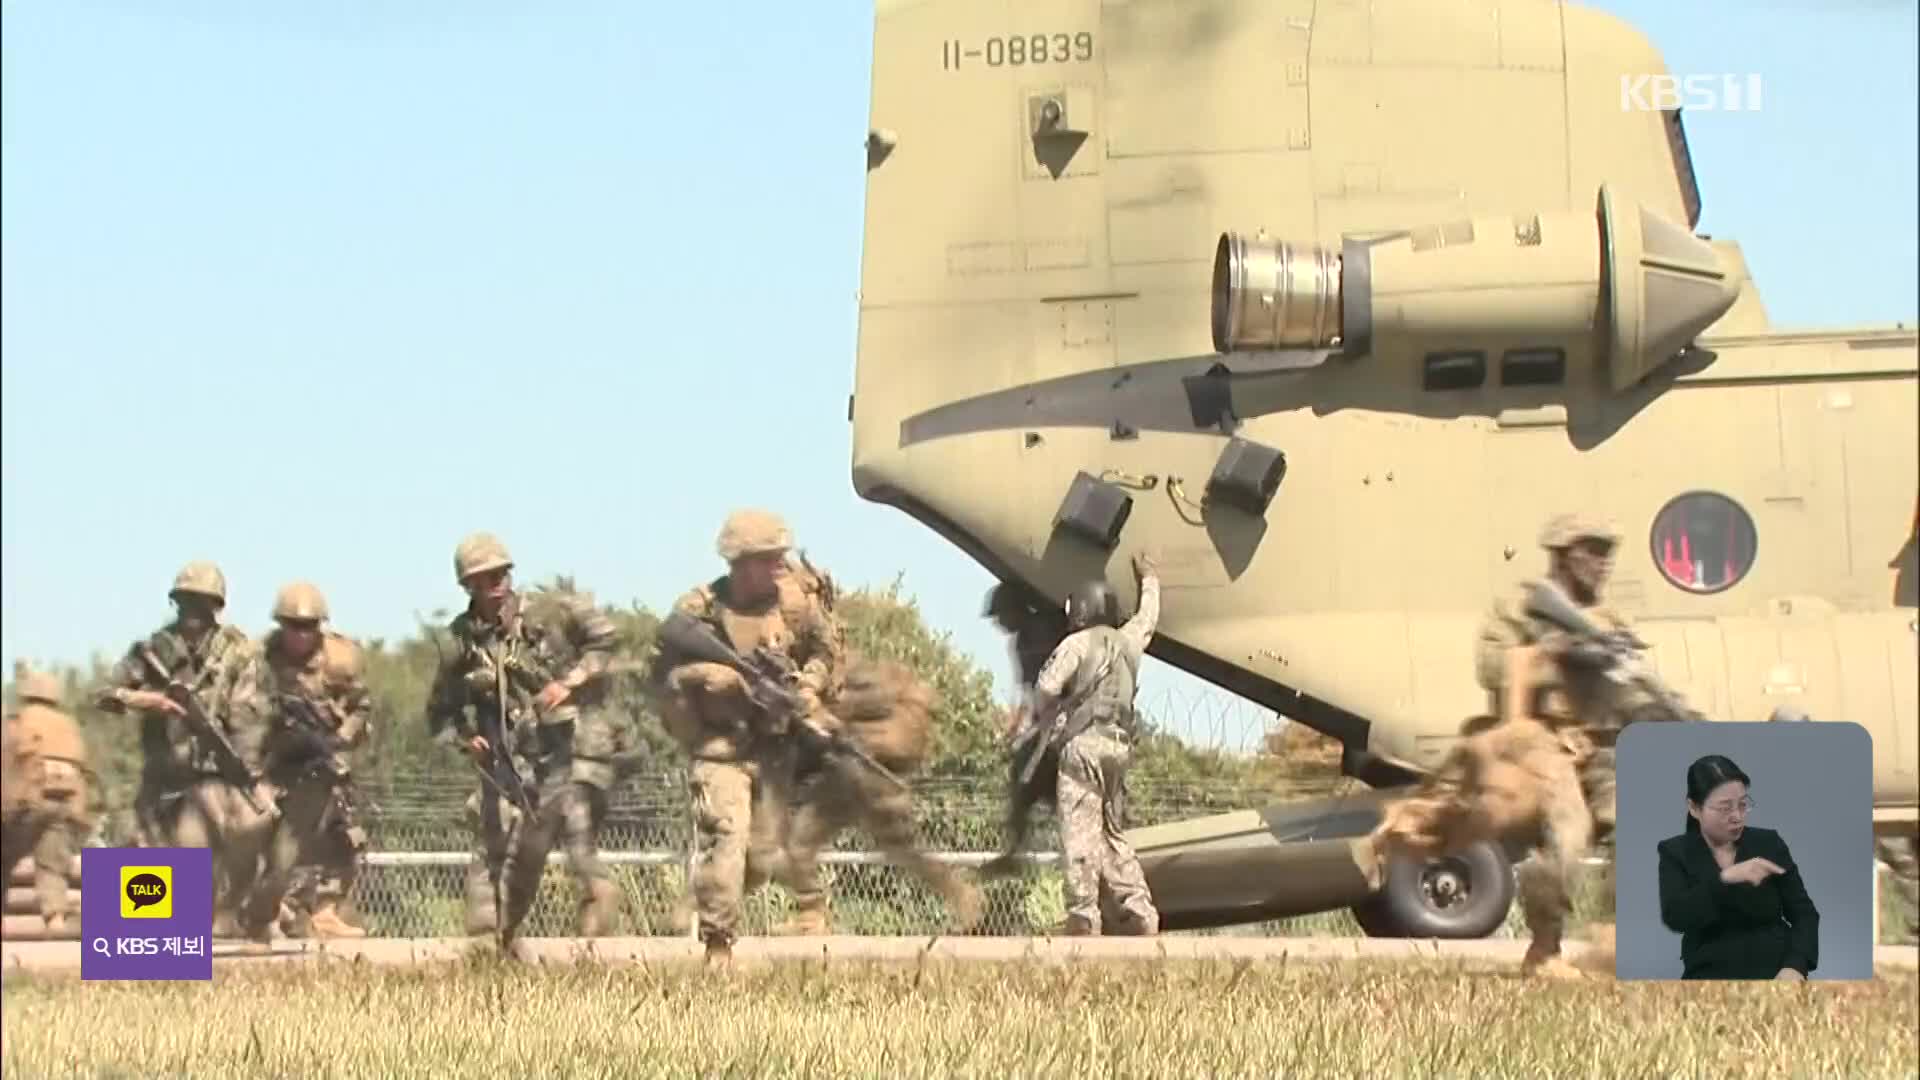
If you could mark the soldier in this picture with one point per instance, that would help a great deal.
(1545, 768)
(535, 676)
(184, 799)
(742, 758)
(323, 713)
(1091, 679)
(888, 711)
(1034, 629)
(1898, 852)
(45, 793)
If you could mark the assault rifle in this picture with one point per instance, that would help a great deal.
(500, 770)
(769, 678)
(1033, 779)
(233, 768)
(317, 741)
(1035, 763)
(1615, 653)
(1040, 738)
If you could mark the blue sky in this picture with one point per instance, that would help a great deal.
(314, 293)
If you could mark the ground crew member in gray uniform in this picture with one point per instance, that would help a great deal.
(533, 672)
(183, 800)
(44, 788)
(1091, 680)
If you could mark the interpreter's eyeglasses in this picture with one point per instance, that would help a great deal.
(1726, 809)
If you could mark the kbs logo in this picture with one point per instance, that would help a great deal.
(1694, 93)
(146, 892)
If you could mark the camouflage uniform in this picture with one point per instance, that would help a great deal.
(537, 641)
(741, 773)
(887, 711)
(1544, 769)
(1096, 670)
(44, 790)
(182, 800)
(1034, 630)
(1898, 852)
(314, 857)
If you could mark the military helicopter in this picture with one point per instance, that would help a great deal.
(1333, 304)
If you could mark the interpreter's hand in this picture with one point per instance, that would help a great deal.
(477, 746)
(1789, 975)
(1751, 871)
(551, 695)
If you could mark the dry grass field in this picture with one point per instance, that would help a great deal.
(1172, 1018)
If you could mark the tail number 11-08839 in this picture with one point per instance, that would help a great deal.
(1018, 50)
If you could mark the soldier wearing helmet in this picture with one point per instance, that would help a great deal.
(183, 799)
(1035, 629)
(887, 709)
(524, 691)
(44, 792)
(1034, 626)
(323, 712)
(741, 773)
(1557, 717)
(1085, 693)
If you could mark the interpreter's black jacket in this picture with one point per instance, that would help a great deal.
(1737, 931)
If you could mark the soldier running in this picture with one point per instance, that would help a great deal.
(192, 793)
(44, 788)
(1545, 768)
(323, 713)
(534, 676)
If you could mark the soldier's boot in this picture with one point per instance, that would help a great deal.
(1554, 967)
(327, 922)
(601, 908)
(1543, 959)
(1598, 959)
(224, 925)
(259, 933)
(809, 917)
(719, 952)
(1078, 926)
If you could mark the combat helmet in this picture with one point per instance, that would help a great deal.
(753, 532)
(479, 553)
(300, 602)
(1006, 598)
(200, 579)
(1092, 603)
(1563, 530)
(38, 686)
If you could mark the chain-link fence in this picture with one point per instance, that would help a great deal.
(414, 880)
